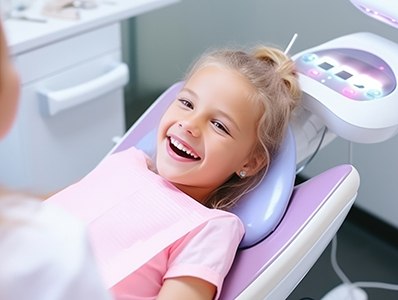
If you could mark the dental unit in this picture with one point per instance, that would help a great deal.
(349, 88)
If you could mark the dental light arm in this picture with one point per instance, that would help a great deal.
(385, 11)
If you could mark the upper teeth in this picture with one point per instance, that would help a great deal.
(182, 147)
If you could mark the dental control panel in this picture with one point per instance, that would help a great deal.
(351, 84)
(355, 74)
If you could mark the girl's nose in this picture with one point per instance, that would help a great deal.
(190, 126)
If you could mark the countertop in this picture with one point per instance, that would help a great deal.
(23, 36)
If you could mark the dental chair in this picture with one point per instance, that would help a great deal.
(287, 227)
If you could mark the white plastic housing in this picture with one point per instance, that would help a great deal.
(350, 83)
(383, 10)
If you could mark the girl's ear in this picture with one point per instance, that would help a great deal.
(255, 163)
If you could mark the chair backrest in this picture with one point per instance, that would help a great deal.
(260, 210)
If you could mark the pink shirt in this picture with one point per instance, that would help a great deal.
(144, 230)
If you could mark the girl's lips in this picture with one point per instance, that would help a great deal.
(181, 151)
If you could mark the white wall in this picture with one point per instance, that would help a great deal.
(166, 41)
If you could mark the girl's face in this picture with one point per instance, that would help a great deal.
(9, 88)
(208, 133)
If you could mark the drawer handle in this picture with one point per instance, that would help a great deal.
(57, 101)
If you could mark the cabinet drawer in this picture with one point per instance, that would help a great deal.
(56, 57)
(71, 108)
(44, 152)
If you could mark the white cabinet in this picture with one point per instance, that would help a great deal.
(71, 108)
(71, 105)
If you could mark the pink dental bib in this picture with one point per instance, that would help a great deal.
(131, 213)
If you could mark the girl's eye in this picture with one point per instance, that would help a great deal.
(186, 103)
(221, 126)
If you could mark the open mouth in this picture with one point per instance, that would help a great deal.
(182, 150)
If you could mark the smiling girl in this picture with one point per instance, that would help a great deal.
(215, 142)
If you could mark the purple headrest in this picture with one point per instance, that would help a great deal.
(262, 209)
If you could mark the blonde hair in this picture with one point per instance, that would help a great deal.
(276, 90)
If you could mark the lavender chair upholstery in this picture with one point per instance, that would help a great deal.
(286, 229)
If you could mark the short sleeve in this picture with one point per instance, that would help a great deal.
(208, 251)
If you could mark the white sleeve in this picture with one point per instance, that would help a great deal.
(45, 255)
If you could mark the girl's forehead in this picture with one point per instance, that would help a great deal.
(211, 72)
(216, 78)
(225, 90)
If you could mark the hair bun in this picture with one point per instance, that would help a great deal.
(284, 66)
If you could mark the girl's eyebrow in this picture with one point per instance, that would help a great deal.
(189, 91)
(218, 111)
(229, 118)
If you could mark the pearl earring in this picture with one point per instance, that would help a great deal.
(242, 174)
